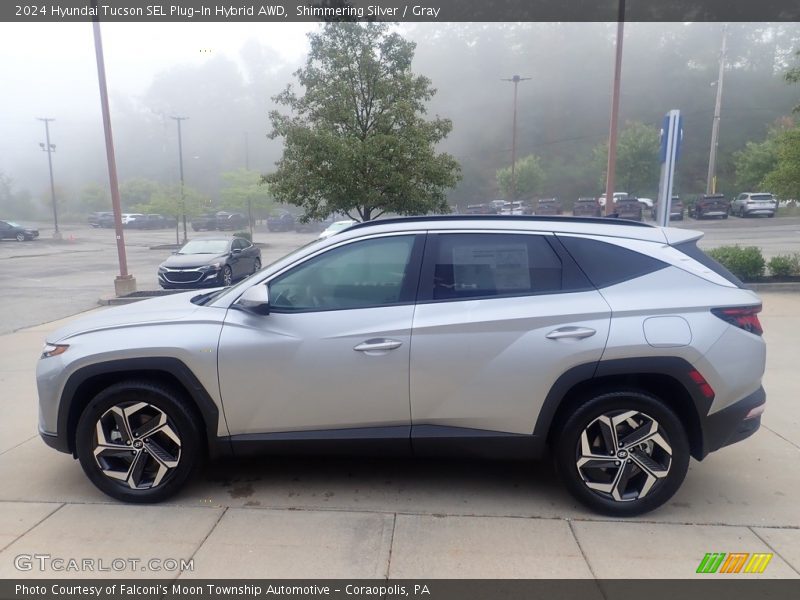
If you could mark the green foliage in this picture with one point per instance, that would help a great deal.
(755, 162)
(793, 76)
(166, 200)
(94, 198)
(529, 177)
(638, 166)
(137, 192)
(356, 141)
(243, 189)
(784, 179)
(244, 234)
(785, 265)
(746, 263)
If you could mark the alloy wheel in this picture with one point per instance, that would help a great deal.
(623, 455)
(137, 445)
(227, 276)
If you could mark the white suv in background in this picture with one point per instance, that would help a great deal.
(749, 204)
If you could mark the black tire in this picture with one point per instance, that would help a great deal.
(226, 276)
(181, 419)
(257, 265)
(567, 446)
(725, 216)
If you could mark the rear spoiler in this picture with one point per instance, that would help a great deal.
(679, 236)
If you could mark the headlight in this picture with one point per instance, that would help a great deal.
(162, 269)
(51, 350)
(212, 267)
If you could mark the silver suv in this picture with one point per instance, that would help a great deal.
(749, 203)
(617, 345)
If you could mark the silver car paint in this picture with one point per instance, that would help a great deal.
(486, 364)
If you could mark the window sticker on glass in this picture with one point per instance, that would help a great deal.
(500, 267)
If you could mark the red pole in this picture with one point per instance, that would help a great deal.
(612, 134)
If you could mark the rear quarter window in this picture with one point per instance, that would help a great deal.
(608, 264)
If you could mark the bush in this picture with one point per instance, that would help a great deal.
(244, 234)
(746, 263)
(785, 265)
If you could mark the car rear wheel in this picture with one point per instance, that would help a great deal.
(138, 442)
(622, 453)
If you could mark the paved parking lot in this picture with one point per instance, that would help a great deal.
(275, 517)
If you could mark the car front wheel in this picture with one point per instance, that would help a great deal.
(20, 237)
(226, 276)
(138, 441)
(622, 453)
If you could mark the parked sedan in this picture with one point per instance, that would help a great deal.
(9, 230)
(281, 221)
(209, 262)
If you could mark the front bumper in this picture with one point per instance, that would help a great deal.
(197, 279)
(731, 425)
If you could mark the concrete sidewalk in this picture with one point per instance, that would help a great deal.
(401, 518)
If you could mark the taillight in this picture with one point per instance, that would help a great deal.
(743, 317)
(702, 384)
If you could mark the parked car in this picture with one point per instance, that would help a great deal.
(335, 228)
(628, 208)
(153, 221)
(281, 221)
(137, 221)
(617, 196)
(230, 221)
(314, 354)
(749, 204)
(9, 230)
(311, 226)
(710, 205)
(647, 203)
(106, 221)
(129, 218)
(675, 210)
(96, 218)
(214, 261)
(587, 207)
(206, 222)
(548, 206)
(487, 208)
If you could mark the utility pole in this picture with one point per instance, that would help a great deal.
(515, 80)
(711, 183)
(180, 165)
(124, 283)
(612, 133)
(50, 148)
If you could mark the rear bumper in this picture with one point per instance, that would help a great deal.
(731, 425)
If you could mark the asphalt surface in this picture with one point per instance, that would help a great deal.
(45, 280)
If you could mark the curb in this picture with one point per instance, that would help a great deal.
(787, 287)
(135, 297)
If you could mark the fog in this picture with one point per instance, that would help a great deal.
(222, 77)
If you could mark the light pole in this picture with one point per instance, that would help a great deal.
(515, 80)
(711, 182)
(125, 283)
(612, 133)
(180, 165)
(50, 148)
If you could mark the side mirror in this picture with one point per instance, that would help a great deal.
(236, 251)
(255, 299)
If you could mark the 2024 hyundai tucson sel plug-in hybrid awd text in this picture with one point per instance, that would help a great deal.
(619, 346)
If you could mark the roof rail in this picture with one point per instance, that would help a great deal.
(610, 220)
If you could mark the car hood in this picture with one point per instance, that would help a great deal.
(172, 307)
(191, 260)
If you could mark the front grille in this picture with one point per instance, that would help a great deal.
(183, 276)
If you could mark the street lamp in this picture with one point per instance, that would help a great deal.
(50, 148)
(180, 165)
(515, 80)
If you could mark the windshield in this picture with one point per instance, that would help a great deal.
(205, 247)
(13, 224)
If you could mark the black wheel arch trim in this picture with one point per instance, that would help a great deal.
(68, 415)
(591, 374)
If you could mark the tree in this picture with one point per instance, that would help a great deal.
(784, 180)
(756, 161)
(94, 198)
(793, 76)
(137, 192)
(638, 167)
(243, 191)
(357, 141)
(166, 200)
(528, 175)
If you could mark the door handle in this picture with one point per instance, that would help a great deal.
(378, 344)
(574, 333)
